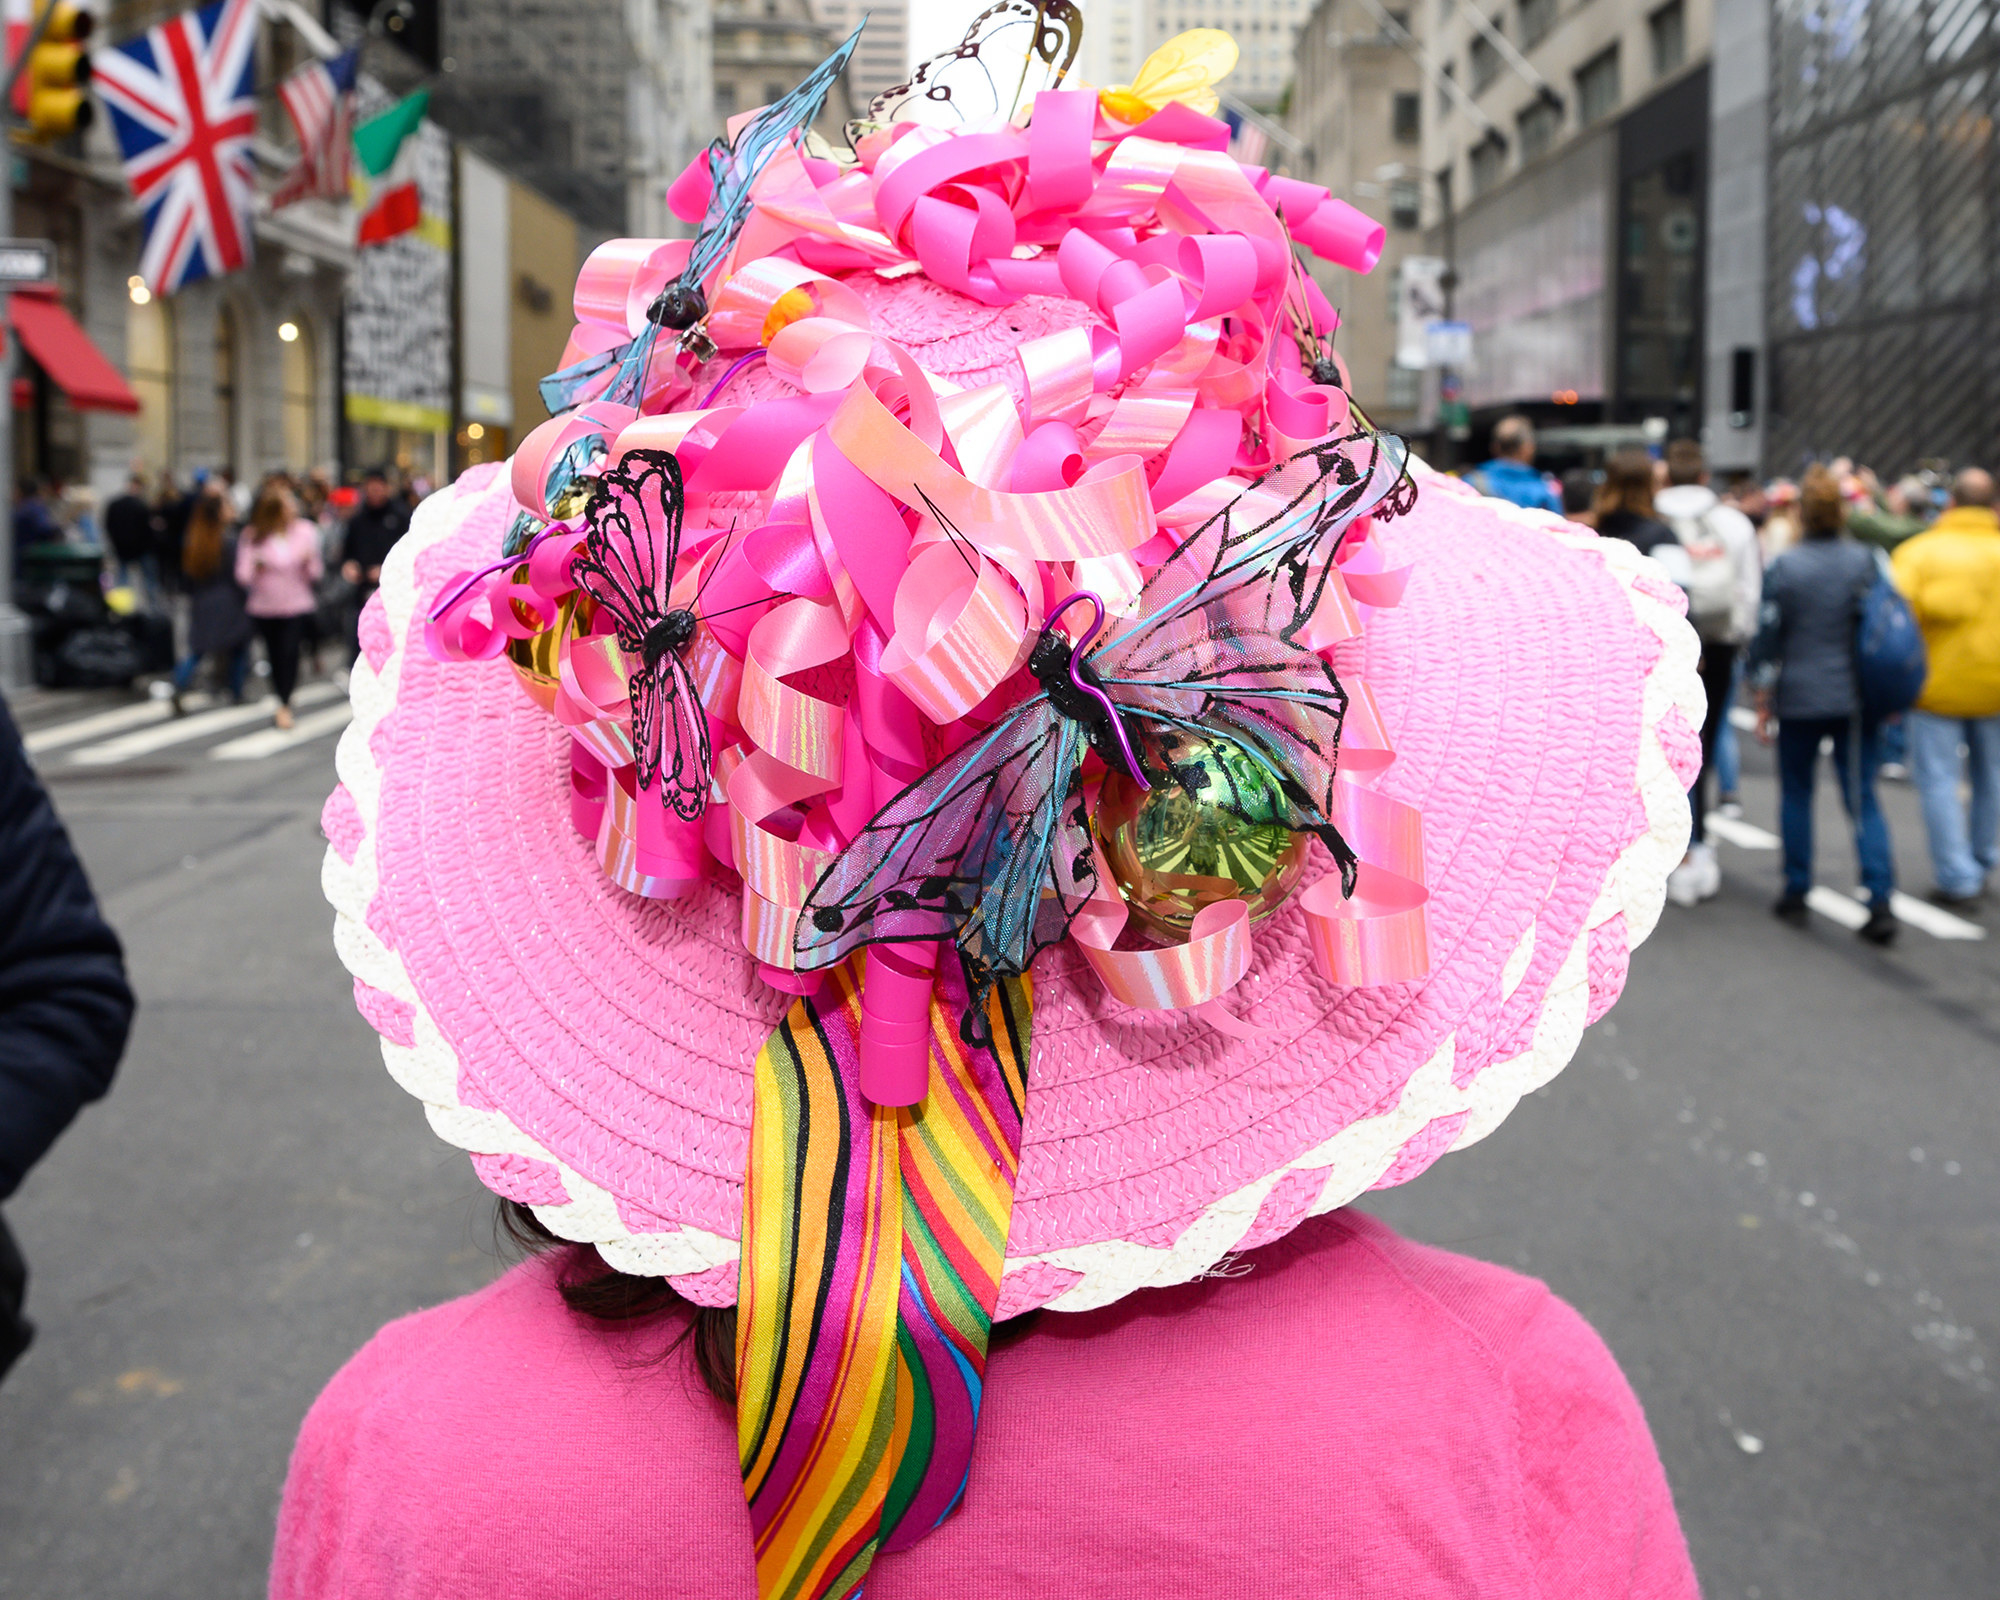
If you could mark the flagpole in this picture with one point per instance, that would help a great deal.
(17, 653)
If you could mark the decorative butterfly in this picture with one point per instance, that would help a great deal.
(626, 564)
(992, 848)
(1012, 52)
(733, 168)
(1186, 68)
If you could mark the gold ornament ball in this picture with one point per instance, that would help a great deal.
(1173, 854)
(537, 660)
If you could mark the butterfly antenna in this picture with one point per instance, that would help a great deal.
(959, 542)
(714, 566)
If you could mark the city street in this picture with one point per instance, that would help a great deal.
(1769, 1179)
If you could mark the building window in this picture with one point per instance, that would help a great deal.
(225, 389)
(725, 99)
(1448, 74)
(1668, 27)
(773, 93)
(1404, 110)
(1403, 388)
(298, 377)
(149, 365)
(1406, 203)
(1537, 18)
(1485, 59)
(1540, 125)
(1597, 87)
(1489, 164)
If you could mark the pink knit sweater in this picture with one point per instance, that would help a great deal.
(280, 571)
(1354, 1416)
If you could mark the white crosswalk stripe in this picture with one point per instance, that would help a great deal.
(269, 741)
(103, 723)
(162, 731)
(1850, 911)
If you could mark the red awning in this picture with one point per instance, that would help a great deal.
(66, 354)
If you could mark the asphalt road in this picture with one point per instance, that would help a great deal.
(1769, 1179)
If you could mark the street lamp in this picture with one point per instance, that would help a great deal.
(289, 332)
(136, 290)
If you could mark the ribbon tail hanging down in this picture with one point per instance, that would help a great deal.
(873, 1239)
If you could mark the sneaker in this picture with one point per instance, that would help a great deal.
(1961, 903)
(1697, 878)
(1731, 807)
(1880, 928)
(1894, 772)
(282, 719)
(1790, 908)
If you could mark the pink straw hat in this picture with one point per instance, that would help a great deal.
(592, 1049)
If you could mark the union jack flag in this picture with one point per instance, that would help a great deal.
(183, 102)
(320, 100)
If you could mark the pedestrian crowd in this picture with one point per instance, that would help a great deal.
(1862, 618)
(285, 564)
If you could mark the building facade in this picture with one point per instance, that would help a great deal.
(1264, 31)
(1355, 108)
(763, 48)
(882, 58)
(1566, 147)
(1880, 281)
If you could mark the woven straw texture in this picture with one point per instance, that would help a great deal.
(593, 1051)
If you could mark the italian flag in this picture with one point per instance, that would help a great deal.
(385, 180)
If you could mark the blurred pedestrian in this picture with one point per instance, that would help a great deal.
(378, 522)
(129, 530)
(34, 522)
(1951, 577)
(1511, 474)
(1746, 494)
(1579, 495)
(1812, 594)
(1893, 516)
(217, 623)
(1723, 575)
(1625, 502)
(278, 562)
(65, 1006)
(171, 509)
(1779, 530)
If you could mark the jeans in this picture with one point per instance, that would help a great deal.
(239, 669)
(1728, 763)
(1962, 849)
(1718, 674)
(1798, 771)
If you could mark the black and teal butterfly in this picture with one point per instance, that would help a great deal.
(733, 169)
(991, 849)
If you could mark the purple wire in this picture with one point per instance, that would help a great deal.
(735, 367)
(1076, 654)
(487, 571)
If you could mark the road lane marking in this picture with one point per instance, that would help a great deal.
(1744, 835)
(182, 730)
(269, 741)
(103, 723)
(1934, 920)
(1840, 908)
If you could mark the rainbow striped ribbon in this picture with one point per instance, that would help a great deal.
(872, 1244)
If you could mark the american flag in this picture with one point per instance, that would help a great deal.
(183, 100)
(320, 100)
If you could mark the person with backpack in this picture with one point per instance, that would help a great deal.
(1806, 664)
(1717, 563)
(1951, 576)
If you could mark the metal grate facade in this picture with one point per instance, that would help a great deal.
(1882, 288)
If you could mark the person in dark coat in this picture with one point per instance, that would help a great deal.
(128, 526)
(378, 522)
(218, 621)
(65, 1007)
(171, 508)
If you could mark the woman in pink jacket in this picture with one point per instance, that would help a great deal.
(278, 562)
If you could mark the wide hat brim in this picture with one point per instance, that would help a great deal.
(593, 1050)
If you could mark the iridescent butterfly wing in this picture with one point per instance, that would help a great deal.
(990, 849)
(1012, 52)
(631, 544)
(733, 168)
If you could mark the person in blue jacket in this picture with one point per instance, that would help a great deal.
(1511, 474)
(65, 1007)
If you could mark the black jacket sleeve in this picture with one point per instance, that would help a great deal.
(65, 1007)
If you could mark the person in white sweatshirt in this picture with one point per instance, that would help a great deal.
(1717, 562)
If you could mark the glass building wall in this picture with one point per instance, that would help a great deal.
(1881, 293)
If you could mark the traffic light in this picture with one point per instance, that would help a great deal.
(58, 72)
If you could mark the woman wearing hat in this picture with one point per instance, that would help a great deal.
(927, 852)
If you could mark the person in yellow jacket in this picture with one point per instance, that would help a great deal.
(1951, 576)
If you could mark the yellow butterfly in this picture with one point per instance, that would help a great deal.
(1185, 68)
